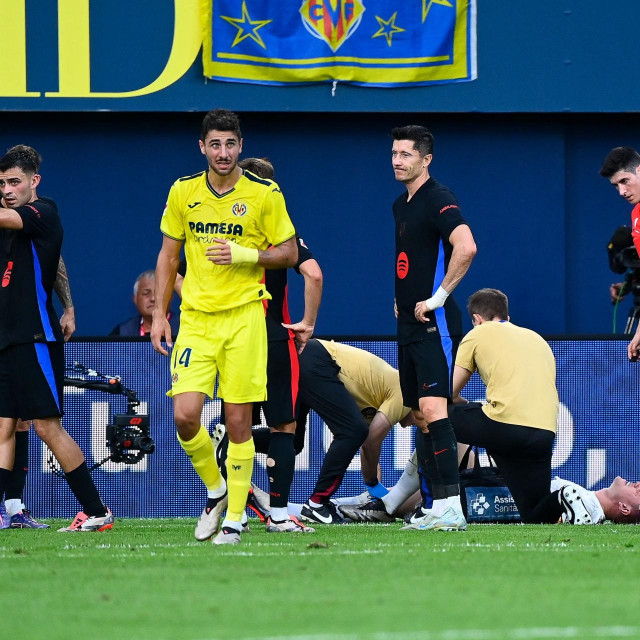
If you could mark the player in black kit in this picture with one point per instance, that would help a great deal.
(434, 248)
(31, 341)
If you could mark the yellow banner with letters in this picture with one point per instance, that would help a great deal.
(381, 43)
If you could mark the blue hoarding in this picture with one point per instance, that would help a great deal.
(598, 429)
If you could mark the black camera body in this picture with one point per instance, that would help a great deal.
(128, 438)
(623, 258)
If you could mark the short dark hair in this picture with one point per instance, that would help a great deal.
(421, 136)
(620, 159)
(220, 120)
(261, 167)
(23, 157)
(488, 304)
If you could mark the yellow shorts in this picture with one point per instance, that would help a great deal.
(232, 343)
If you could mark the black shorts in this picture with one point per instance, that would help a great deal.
(283, 375)
(523, 454)
(32, 380)
(426, 369)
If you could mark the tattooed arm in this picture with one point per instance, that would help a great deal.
(63, 291)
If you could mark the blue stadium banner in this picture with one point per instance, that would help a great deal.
(381, 43)
(598, 433)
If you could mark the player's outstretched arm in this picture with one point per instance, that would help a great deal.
(313, 279)
(166, 269)
(9, 219)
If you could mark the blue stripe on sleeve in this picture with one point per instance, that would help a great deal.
(42, 297)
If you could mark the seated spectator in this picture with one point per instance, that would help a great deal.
(144, 299)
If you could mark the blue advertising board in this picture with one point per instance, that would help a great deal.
(598, 430)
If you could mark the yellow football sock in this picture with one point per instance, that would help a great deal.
(239, 470)
(203, 458)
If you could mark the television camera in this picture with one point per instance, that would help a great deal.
(623, 258)
(128, 435)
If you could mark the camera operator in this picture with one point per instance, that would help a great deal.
(622, 168)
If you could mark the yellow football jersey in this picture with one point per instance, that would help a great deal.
(252, 214)
(519, 369)
(370, 380)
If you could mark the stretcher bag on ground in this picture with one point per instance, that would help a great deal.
(483, 493)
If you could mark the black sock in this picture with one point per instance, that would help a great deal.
(221, 455)
(212, 502)
(84, 489)
(261, 438)
(18, 478)
(4, 479)
(282, 453)
(548, 511)
(445, 453)
(426, 468)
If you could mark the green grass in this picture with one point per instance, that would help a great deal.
(150, 579)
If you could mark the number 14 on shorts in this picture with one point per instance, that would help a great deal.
(183, 359)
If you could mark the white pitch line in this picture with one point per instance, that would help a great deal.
(525, 633)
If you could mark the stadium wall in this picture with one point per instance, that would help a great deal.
(528, 185)
(598, 430)
(520, 146)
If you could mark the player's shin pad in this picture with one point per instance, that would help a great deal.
(239, 470)
(202, 455)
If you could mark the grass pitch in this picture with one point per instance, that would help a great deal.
(151, 580)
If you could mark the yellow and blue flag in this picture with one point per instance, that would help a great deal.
(380, 43)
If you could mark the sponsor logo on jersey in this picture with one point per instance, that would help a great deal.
(214, 229)
(239, 209)
(195, 204)
(449, 206)
(402, 265)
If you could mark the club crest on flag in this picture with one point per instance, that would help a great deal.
(378, 43)
(332, 20)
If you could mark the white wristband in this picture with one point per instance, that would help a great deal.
(437, 299)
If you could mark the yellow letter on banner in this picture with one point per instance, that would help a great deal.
(13, 51)
(74, 50)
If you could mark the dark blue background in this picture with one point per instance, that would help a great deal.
(528, 185)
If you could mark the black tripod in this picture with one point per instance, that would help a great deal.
(633, 318)
(633, 283)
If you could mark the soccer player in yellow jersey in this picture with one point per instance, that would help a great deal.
(226, 219)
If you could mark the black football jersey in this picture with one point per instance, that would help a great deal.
(423, 226)
(29, 260)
